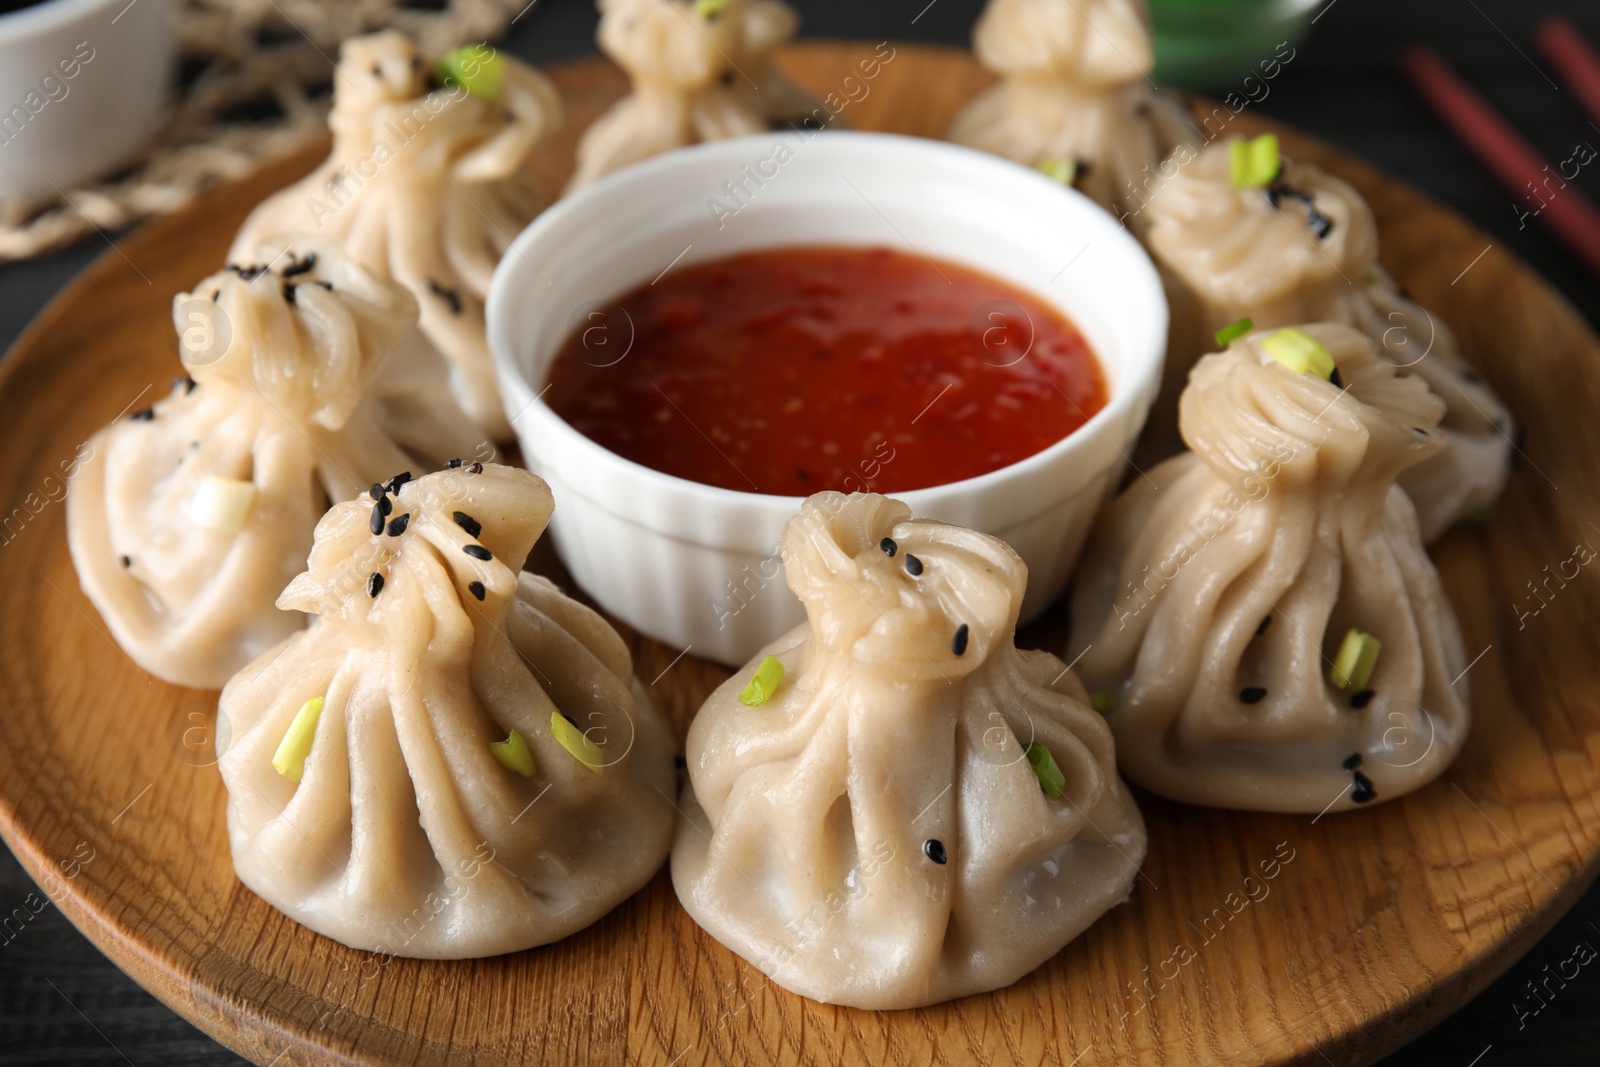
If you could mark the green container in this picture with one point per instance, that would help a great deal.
(1215, 44)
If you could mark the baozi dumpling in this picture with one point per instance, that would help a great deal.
(1229, 604)
(1075, 91)
(1305, 249)
(193, 514)
(701, 70)
(454, 760)
(875, 833)
(425, 186)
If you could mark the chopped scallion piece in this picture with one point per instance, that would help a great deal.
(222, 504)
(1255, 163)
(290, 759)
(1051, 780)
(1103, 701)
(709, 9)
(573, 740)
(764, 683)
(1300, 352)
(513, 754)
(1064, 171)
(1358, 655)
(478, 68)
(1234, 330)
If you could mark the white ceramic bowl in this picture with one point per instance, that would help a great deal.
(696, 566)
(81, 87)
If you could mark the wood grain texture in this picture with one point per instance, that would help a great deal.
(1383, 921)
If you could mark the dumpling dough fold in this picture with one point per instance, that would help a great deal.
(1306, 250)
(1214, 598)
(874, 834)
(699, 72)
(1075, 88)
(280, 362)
(424, 186)
(406, 834)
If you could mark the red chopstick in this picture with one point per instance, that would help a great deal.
(1559, 204)
(1575, 61)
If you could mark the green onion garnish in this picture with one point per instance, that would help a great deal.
(1234, 330)
(1255, 163)
(513, 754)
(573, 740)
(709, 9)
(290, 759)
(1051, 780)
(1104, 701)
(764, 683)
(222, 504)
(1358, 655)
(478, 68)
(1064, 171)
(1300, 352)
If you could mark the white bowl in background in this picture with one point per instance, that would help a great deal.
(81, 87)
(696, 566)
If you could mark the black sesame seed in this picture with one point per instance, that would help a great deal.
(1320, 224)
(394, 484)
(186, 383)
(453, 464)
(1266, 622)
(397, 526)
(476, 589)
(1363, 791)
(958, 643)
(127, 561)
(933, 848)
(889, 547)
(377, 491)
(477, 552)
(1334, 377)
(144, 415)
(913, 565)
(475, 468)
(449, 296)
(1361, 699)
(1253, 694)
(376, 525)
(385, 505)
(1352, 761)
(216, 296)
(468, 523)
(288, 293)
(300, 266)
(375, 584)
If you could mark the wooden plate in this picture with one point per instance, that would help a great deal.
(1376, 925)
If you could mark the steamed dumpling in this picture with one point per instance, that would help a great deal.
(1215, 598)
(193, 514)
(425, 187)
(393, 826)
(1075, 89)
(1305, 249)
(874, 834)
(699, 71)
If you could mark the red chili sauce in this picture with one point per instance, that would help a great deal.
(794, 370)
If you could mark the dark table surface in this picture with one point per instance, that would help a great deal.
(61, 1002)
